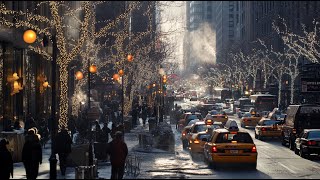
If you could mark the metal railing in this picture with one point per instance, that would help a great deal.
(132, 166)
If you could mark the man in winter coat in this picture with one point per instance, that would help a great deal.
(63, 148)
(32, 154)
(118, 153)
(6, 162)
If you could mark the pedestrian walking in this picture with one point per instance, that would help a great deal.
(63, 148)
(6, 161)
(118, 153)
(105, 132)
(144, 115)
(134, 115)
(32, 154)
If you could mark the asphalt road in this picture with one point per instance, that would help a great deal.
(274, 162)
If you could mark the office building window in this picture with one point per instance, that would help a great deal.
(209, 9)
(231, 24)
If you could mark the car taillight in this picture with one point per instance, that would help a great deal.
(254, 149)
(312, 143)
(196, 141)
(183, 134)
(214, 149)
(244, 120)
(263, 129)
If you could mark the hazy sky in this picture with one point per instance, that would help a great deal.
(173, 22)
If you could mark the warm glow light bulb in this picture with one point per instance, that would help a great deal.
(29, 36)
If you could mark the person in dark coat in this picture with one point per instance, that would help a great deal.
(118, 153)
(72, 125)
(144, 114)
(63, 148)
(30, 123)
(113, 130)
(32, 154)
(134, 114)
(6, 161)
(105, 131)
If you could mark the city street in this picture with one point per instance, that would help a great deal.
(274, 161)
(77, 75)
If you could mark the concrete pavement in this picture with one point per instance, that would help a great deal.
(104, 168)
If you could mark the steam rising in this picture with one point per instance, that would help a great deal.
(202, 43)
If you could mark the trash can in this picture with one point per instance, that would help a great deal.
(152, 123)
(127, 126)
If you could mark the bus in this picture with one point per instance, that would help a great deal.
(263, 102)
(222, 93)
(245, 104)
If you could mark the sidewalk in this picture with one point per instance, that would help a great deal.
(104, 169)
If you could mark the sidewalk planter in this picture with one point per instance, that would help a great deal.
(78, 155)
(100, 150)
(152, 123)
(87, 172)
(16, 142)
(145, 140)
(164, 137)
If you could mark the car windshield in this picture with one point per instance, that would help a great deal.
(201, 136)
(199, 128)
(281, 116)
(270, 122)
(217, 112)
(314, 134)
(193, 121)
(239, 137)
(217, 126)
(194, 116)
(247, 115)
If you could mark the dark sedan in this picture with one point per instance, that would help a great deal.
(308, 143)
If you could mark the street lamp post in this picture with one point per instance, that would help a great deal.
(121, 73)
(30, 37)
(92, 69)
(53, 159)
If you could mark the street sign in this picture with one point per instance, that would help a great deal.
(310, 84)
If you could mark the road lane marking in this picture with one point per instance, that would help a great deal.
(292, 171)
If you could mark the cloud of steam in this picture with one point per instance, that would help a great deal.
(202, 44)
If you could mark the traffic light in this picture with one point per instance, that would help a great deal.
(164, 87)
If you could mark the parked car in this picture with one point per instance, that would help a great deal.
(308, 142)
(299, 117)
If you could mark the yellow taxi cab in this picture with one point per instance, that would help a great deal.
(196, 143)
(197, 134)
(249, 119)
(267, 128)
(229, 146)
(219, 116)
